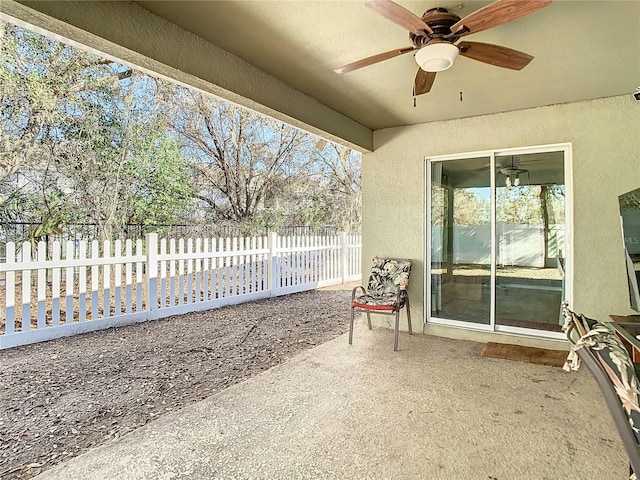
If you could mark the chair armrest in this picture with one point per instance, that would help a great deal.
(574, 326)
(354, 291)
(573, 333)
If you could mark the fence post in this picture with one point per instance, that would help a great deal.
(10, 290)
(272, 243)
(343, 256)
(151, 269)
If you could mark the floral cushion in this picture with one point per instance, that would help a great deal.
(386, 301)
(387, 278)
(615, 360)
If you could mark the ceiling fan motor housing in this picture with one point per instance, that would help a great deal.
(440, 21)
(437, 51)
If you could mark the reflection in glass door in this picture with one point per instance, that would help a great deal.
(530, 240)
(498, 243)
(461, 240)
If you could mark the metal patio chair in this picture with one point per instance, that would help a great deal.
(608, 360)
(386, 293)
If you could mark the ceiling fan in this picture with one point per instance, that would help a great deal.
(434, 35)
(512, 173)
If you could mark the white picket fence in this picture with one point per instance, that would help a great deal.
(61, 290)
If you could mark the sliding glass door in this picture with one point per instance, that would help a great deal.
(497, 245)
(461, 239)
(530, 240)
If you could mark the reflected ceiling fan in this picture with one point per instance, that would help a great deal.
(513, 172)
(434, 35)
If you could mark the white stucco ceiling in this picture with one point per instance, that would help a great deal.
(582, 49)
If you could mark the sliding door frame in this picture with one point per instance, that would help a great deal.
(566, 148)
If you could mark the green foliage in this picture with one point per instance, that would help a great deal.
(470, 207)
(162, 178)
(85, 139)
(524, 204)
(51, 225)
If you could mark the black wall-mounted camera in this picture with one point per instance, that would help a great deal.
(636, 95)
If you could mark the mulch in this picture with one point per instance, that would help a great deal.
(63, 397)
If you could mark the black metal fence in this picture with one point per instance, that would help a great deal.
(18, 232)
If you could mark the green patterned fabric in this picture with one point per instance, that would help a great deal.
(608, 350)
(615, 360)
(571, 318)
(387, 278)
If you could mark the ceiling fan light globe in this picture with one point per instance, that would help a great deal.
(436, 57)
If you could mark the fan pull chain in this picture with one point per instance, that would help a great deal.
(414, 96)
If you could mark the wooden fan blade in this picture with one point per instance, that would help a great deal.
(399, 15)
(495, 14)
(365, 62)
(495, 55)
(424, 81)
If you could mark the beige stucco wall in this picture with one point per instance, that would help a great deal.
(605, 138)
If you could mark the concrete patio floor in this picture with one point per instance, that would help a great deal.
(434, 410)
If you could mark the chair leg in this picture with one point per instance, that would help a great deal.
(409, 317)
(351, 328)
(395, 338)
(369, 319)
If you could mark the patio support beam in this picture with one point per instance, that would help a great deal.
(128, 33)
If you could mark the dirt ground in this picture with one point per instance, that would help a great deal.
(63, 397)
